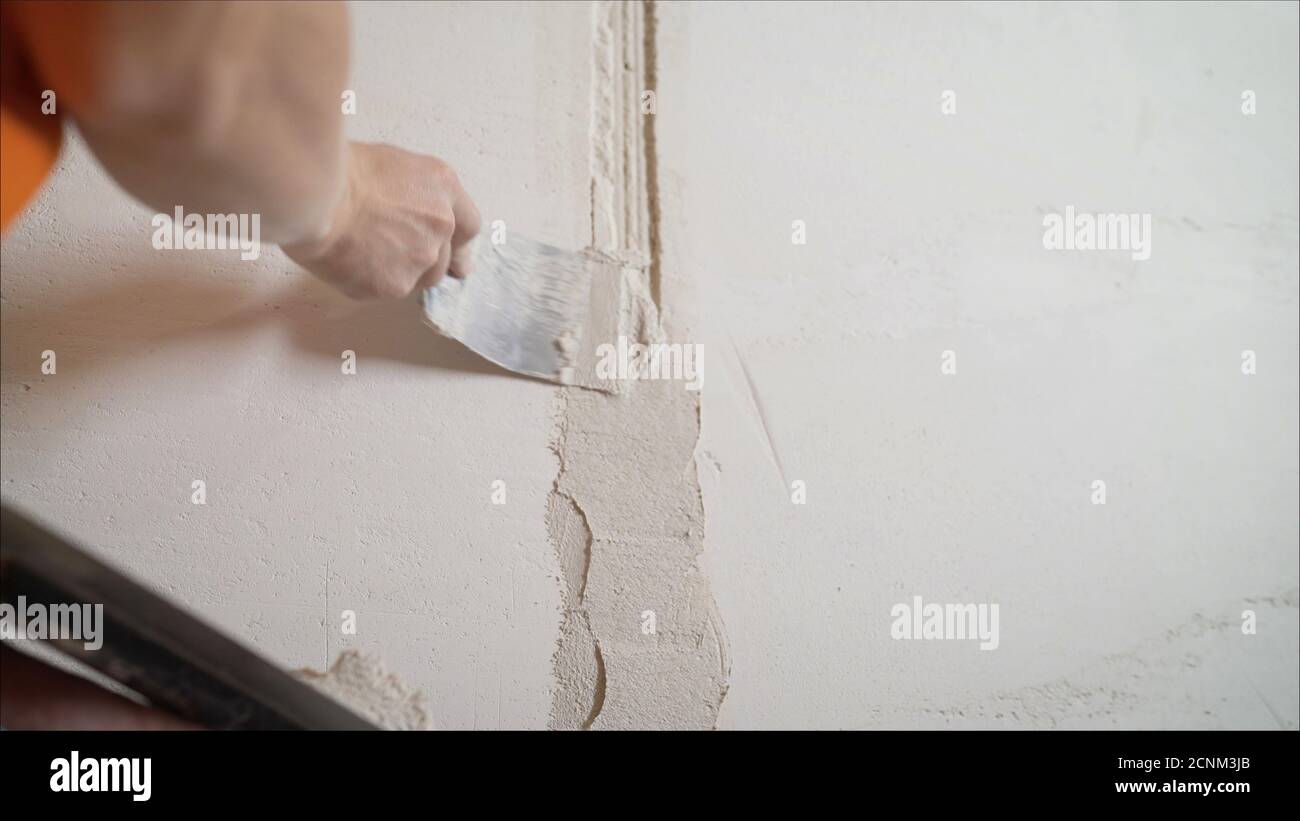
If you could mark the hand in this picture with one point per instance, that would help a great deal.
(404, 221)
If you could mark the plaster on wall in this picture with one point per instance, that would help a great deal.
(642, 644)
(372, 493)
(363, 682)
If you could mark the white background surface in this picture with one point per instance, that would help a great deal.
(925, 235)
(372, 492)
(325, 492)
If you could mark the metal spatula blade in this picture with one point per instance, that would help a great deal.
(153, 647)
(524, 306)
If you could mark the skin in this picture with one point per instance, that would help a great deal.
(234, 107)
(221, 108)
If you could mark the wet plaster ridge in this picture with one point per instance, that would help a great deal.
(641, 643)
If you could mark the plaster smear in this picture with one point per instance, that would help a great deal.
(641, 643)
(361, 681)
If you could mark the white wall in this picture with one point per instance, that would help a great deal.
(371, 492)
(924, 234)
(325, 492)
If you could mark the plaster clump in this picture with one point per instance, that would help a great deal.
(362, 682)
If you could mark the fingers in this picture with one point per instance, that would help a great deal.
(468, 224)
(455, 257)
(409, 224)
(435, 274)
(462, 260)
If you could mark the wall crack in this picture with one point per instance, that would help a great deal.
(641, 642)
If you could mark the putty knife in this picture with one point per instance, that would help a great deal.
(153, 647)
(524, 307)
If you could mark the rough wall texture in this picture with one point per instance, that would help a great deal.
(325, 492)
(642, 644)
(924, 235)
(373, 492)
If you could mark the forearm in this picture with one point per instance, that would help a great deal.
(225, 107)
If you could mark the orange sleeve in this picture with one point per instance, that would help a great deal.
(28, 148)
(29, 139)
